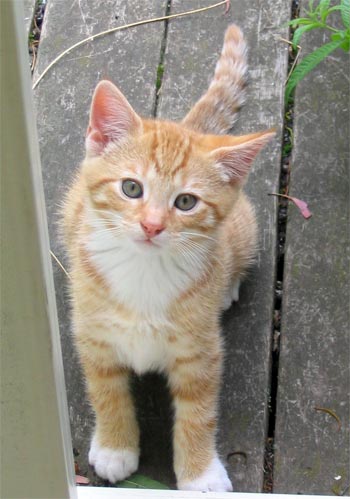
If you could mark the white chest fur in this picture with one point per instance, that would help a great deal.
(146, 281)
(142, 350)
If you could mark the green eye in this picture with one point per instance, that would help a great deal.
(185, 202)
(132, 189)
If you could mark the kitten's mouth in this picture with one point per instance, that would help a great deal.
(147, 242)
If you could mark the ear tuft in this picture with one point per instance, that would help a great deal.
(111, 118)
(234, 161)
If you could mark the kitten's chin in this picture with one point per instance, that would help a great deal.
(148, 246)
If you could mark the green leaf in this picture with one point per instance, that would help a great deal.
(323, 6)
(308, 64)
(333, 9)
(340, 36)
(323, 9)
(141, 482)
(345, 12)
(344, 38)
(298, 22)
(311, 6)
(313, 12)
(300, 31)
(346, 45)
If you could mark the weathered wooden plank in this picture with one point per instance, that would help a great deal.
(130, 59)
(192, 50)
(312, 454)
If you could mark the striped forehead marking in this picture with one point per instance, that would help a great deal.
(169, 151)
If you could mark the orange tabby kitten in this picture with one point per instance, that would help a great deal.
(159, 234)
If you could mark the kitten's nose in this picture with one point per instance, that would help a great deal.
(152, 229)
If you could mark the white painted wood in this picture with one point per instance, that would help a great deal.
(106, 493)
(36, 451)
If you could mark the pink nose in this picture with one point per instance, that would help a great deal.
(152, 229)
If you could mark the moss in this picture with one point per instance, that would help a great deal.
(160, 72)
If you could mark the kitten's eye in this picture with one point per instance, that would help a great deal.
(132, 189)
(185, 202)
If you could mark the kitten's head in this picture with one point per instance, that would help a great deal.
(156, 184)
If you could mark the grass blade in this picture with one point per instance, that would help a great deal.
(308, 64)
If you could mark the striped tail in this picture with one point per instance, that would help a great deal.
(216, 110)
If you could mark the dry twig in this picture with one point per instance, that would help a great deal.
(331, 413)
(59, 264)
(296, 57)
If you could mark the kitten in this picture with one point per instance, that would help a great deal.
(159, 234)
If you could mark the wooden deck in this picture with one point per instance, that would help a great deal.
(313, 368)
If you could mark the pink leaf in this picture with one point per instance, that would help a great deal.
(303, 207)
(81, 480)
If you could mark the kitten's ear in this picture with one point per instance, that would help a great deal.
(111, 118)
(234, 161)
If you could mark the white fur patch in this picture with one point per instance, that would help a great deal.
(145, 279)
(232, 294)
(112, 464)
(142, 349)
(214, 479)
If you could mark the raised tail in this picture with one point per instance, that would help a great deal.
(216, 110)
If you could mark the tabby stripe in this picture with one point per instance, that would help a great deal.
(154, 150)
(89, 267)
(187, 360)
(106, 372)
(186, 154)
(102, 182)
(218, 215)
(193, 392)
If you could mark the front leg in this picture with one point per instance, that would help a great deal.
(114, 450)
(194, 381)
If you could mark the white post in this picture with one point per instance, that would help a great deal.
(36, 452)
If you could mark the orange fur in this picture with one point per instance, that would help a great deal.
(174, 324)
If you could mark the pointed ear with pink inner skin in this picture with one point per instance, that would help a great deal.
(234, 161)
(111, 119)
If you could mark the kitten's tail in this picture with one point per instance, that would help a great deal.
(216, 110)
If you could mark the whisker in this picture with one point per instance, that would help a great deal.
(178, 266)
(118, 264)
(190, 244)
(188, 252)
(116, 230)
(106, 250)
(100, 211)
(197, 234)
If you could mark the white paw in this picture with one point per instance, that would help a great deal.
(232, 294)
(112, 464)
(213, 479)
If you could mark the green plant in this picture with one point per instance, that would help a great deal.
(317, 17)
(137, 481)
